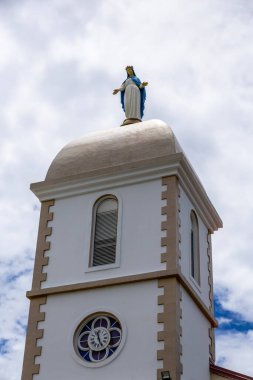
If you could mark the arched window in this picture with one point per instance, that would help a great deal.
(195, 259)
(104, 234)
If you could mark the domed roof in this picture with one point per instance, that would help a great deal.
(118, 147)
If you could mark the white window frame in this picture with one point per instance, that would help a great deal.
(94, 207)
(195, 255)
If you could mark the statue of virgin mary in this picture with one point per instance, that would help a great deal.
(133, 96)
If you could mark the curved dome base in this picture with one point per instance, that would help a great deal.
(146, 140)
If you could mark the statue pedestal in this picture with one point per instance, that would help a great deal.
(130, 121)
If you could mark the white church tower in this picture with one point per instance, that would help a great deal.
(122, 285)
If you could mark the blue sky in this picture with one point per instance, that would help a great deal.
(230, 321)
(60, 61)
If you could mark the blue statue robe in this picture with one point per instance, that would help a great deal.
(142, 91)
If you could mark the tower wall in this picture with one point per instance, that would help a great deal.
(202, 289)
(136, 306)
(139, 245)
(195, 341)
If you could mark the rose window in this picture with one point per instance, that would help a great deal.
(98, 338)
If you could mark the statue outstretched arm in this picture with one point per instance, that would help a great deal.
(144, 84)
(122, 88)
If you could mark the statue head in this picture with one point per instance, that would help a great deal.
(130, 71)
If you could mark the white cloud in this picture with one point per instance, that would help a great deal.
(223, 321)
(60, 60)
(15, 277)
(234, 351)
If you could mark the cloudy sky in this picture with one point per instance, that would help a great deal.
(60, 60)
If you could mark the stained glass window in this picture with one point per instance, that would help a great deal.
(98, 337)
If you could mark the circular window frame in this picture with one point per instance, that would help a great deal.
(80, 324)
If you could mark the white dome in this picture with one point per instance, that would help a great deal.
(125, 146)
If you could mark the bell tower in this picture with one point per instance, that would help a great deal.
(122, 284)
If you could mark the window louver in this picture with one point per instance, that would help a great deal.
(195, 259)
(105, 236)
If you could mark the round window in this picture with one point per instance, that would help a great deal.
(98, 338)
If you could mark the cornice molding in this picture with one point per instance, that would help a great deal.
(141, 171)
(191, 184)
(108, 177)
(83, 286)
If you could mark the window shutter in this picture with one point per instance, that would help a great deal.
(105, 236)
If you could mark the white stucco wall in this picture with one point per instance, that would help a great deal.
(137, 306)
(195, 341)
(185, 246)
(140, 235)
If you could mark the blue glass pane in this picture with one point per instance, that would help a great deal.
(87, 353)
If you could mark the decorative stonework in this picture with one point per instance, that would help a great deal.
(172, 331)
(212, 344)
(42, 244)
(172, 223)
(171, 316)
(211, 306)
(35, 314)
(33, 333)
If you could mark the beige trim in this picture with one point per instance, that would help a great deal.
(171, 224)
(212, 343)
(170, 300)
(127, 280)
(211, 306)
(35, 315)
(33, 333)
(42, 244)
(101, 283)
(172, 331)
